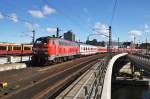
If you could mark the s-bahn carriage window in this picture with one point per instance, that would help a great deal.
(27, 48)
(3, 47)
(9, 48)
(17, 48)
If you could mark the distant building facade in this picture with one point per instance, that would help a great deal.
(69, 36)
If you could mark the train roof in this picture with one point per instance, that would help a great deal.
(48, 37)
(13, 44)
(87, 45)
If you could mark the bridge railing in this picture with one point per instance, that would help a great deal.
(141, 55)
(142, 58)
(95, 89)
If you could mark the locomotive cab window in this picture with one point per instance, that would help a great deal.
(41, 41)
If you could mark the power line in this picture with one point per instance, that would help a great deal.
(77, 23)
(24, 21)
(113, 12)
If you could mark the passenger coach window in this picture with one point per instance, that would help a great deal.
(27, 48)
(17, 48)
(2, 47)
(9, 48)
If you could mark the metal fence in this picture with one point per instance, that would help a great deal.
(142, 61)
(141, 58)
(95, 89)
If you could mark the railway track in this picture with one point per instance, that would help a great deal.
(51, 83)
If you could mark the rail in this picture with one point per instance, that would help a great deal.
(49, 86)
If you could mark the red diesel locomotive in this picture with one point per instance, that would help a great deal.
(48, 49)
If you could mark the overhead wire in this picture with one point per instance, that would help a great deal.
(74, 21)
(113, 12)
(19, 20)
(42, 28)
(11, 17)
(77, 23)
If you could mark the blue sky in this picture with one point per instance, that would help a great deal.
(132, 18)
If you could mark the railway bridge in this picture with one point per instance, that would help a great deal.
(88, 77)
(98, 83)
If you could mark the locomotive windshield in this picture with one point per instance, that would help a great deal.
(41, 41)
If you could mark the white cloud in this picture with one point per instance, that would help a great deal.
(47, 10)
(51, 30)
(1, 16)
(14, 17)
(31, 26)
(36, 13)
(42, 13)
(135, 33)
(101, 28)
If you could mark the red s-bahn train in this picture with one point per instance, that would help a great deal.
(48, 49)
(15, 49)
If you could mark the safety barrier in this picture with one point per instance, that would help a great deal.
(142, 61)
(95, 88)
(97, 85)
